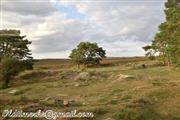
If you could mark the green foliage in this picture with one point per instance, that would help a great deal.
(150, 51)
(11, 67)
(14, 54)
(13, 45)
(87, 53)
(167, 41)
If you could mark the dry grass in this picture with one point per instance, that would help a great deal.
(151, 94)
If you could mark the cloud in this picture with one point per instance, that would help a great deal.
(28, 7)
(56, 27)
(134, 18)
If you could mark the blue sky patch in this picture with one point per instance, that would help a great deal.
(71, 11)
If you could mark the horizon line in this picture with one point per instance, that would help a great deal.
(103, 58)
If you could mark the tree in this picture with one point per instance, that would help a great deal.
(150, 52)
(87, 53)
(14, 55)
(10, 67)
(13, 45)
(167, 41)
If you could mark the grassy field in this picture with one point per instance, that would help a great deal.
(119, 89)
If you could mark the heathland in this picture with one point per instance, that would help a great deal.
(118, 89)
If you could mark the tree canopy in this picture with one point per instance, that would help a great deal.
(87, 53)
(167, 41)
(13, 45)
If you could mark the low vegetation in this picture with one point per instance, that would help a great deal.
(114, 92)
(112, 88)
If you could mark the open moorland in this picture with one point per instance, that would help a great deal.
(118, 89)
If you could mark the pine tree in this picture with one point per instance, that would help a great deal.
(13, 45)
(167, 41)
(14, 55)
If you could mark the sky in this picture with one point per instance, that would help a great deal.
(55, 27)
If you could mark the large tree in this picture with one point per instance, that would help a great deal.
(166, 43)
(13, 45)
(87, 53)
(14, 55)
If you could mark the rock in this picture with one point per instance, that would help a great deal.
(76, 85)
(66, 103)
(121, 76)
(13, 91)
(58, 100)
(140, 66)
(109, 119)
(82, 76)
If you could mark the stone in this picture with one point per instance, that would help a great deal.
(82, 76)
(76, 85)
(59, 100)
(13, 91)
(121, 76)
(109, 119)
(66, 103)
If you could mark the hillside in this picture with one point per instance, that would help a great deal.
(119, 91)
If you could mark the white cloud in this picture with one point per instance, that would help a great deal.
(121, 28)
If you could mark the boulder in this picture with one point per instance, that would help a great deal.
(121, 76)
(82, 76)
(14, 91)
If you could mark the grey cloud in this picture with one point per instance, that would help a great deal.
(62, 41)
(28, 7)
(22, 20)
(121, 28)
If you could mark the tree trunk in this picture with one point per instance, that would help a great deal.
(5, 84)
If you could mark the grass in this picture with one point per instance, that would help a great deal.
(151, 94)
